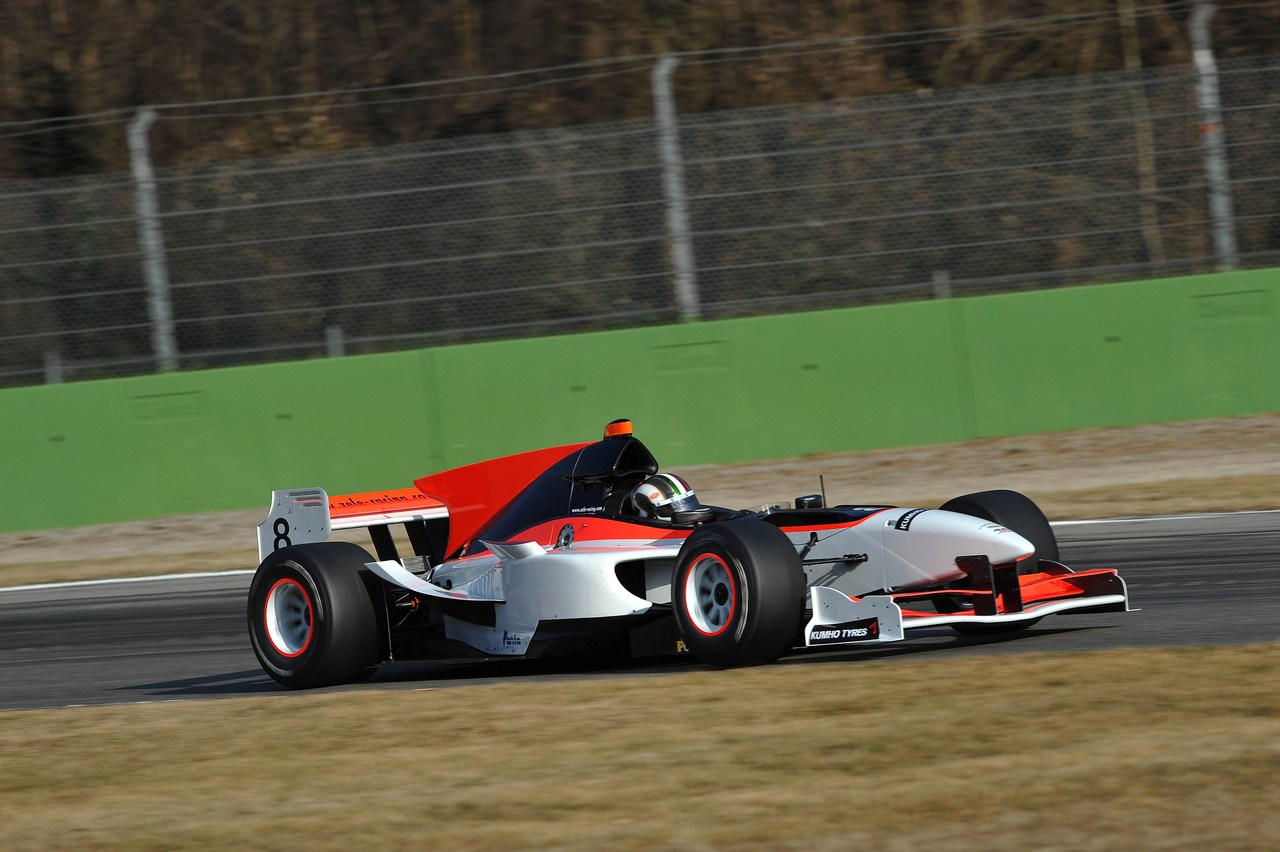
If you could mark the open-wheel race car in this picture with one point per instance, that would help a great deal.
(590, 549)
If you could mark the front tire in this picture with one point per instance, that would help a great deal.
(738, 593)
(311, 617)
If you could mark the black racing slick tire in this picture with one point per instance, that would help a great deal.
(738, 593)
(311, 617)
(1014, 511)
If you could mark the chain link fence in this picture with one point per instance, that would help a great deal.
(932, 194)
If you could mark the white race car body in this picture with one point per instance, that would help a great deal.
(565, 566)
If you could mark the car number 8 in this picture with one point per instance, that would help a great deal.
(281, 529)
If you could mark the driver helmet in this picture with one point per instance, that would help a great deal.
(662, 495)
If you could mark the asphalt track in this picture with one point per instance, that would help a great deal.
(1201, 580)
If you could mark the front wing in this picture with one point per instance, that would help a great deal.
(1006, 598)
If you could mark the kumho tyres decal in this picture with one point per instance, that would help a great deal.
(863, 630)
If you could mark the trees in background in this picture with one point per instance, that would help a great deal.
(77, 62)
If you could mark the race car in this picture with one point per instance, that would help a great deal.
(589, 548)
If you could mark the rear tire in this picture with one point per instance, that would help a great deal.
(1016, 512)
(738, 593)
(311, 617)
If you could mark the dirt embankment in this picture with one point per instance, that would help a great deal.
(1220, 465)
(1198, 466)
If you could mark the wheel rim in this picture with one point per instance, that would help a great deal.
(288, 617)
(710, 595)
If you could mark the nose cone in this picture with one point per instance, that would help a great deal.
(922, 544)
(981, 536)
(1007, 546)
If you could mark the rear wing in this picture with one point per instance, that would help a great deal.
(306, 515)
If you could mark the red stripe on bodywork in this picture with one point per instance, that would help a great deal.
(587, 529)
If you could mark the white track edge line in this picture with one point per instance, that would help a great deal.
(122, 580)
(1192, 517)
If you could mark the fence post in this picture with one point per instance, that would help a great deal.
(1144, 136)
(1215, 147)
(53, 368)
(335, 341)
(151, 239)
(673, 184)
(941, 284)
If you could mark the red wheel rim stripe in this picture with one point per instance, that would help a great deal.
(733, 594)
(310, 609)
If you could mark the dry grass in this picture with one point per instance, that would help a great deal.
(1117, 750)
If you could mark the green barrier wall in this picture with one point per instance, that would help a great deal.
(769, 387)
